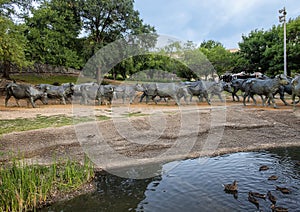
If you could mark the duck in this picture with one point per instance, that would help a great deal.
(256, 194)
(231, 187)
(273, 177)
(252, 199)
(263, 168)
(271, 197)
(279, 209)
(283, 190)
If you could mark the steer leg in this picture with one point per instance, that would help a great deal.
(206, 98)
(177, 100)
(294, 102)
(220, 97)
(200, 97)
(265, 100)
(235, 95)
(32, 102)
(63, 100)
(131, 98)
(245, 96)
(273, 100)
(252, 97)
(191, 97)
(282, 98)
(185, 99)
(18, 104)
(147, 99)
(142, 97)
(6, 99)
(153, 99)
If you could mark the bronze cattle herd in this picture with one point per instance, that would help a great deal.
(92, 93)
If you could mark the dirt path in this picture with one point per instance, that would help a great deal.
(165, 133)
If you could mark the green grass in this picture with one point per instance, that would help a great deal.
(50, 79)
(25, 187)
(44, 79)
(24, 124)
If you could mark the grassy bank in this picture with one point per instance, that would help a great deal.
(39, 122)
(25, 187)
(43, 78)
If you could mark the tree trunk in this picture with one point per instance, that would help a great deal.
(98, 75)
(6, 70)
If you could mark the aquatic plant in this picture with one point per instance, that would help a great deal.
(25, 187)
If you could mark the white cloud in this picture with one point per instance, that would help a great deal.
(221, 20)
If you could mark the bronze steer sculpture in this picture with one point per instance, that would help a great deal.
(58, 92)
(264, 87)
(295, 89)
(21, 91)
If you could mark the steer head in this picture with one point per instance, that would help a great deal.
(72, 86)
(44, 98)
(283, 80)
(296, 81)
(139, 87)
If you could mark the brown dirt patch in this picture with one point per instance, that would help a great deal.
(245, 128)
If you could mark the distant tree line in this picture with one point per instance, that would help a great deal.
(69, 32)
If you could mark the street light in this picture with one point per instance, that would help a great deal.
(282, 18)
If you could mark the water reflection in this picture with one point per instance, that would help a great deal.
(196, 185)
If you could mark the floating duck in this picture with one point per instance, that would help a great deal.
(231, 187)
(271, 197)
(273, 177)
(263, 168)
(278, 209)
(253, 200)
(298, 163)
(283, 190)
(256, 194)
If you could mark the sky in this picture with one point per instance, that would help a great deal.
(224, 21)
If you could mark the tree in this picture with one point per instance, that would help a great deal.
(53, 33)
(252, 48)
(210, 44)
(273, 54)
(106, 21)
(264, 49)
(220, 58)
(12, 40)
(293, 45)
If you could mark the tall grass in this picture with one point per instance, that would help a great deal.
(26, 187)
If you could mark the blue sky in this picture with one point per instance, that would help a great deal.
(220, 20)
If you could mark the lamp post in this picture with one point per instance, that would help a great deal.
(282, 18)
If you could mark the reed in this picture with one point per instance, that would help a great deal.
(26, 187)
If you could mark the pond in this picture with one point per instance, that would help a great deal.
(196, 185)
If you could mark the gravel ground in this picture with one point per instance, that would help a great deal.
(156, 133)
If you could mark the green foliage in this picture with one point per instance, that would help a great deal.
(264, 49)
(107, 21)
(293, 45)
(25, 187)
(52, 34)
(12, 45)
(252, 49)
(68, 33)
(219, 57)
